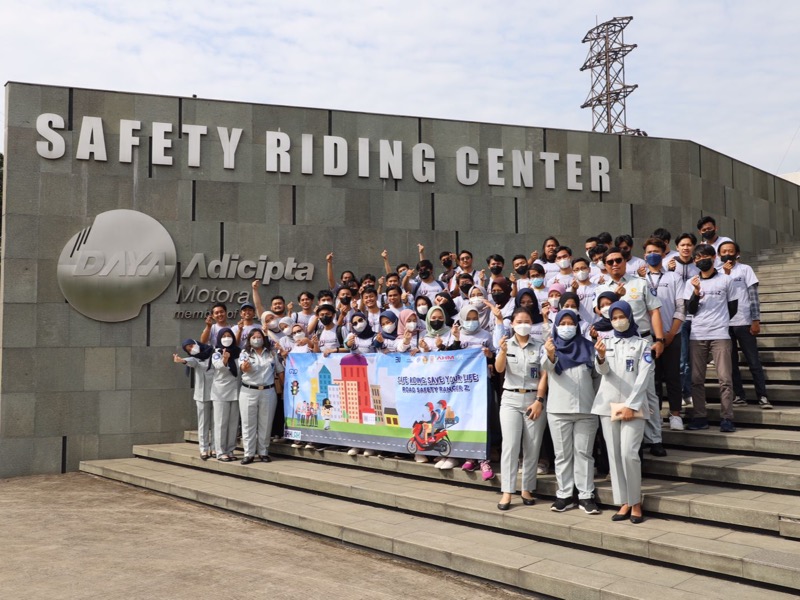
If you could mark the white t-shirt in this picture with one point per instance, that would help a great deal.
(634, 264)
(742, 277)
(549, 267)
(587, 294)
(711, 320)
(558, 277)
(428, 289)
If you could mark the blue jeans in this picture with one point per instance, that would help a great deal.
(686, 363)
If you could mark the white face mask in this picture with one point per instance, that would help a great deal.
(359, 327)
(523, 329)
(476, 301)
(423, 310)
(563, 263)
(604, 311)
(256, 342)
(389, 328)
(470, 326)
(227, 341)
(601, 265)
(621, 325)
(582, 275)
(274, 325)
(411, 326)
(567, 332)
(300, 335)
(194, 350)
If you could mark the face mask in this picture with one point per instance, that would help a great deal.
(496, 270)
(476, 301)
(582, 275)
(704, 264)
(447, 264)
(424, 273)
(359, 327)
(300, 335)
(604, 311)
(567, 332)
(401, 274)
(601, 265)
(274, 325)
(709, 235)
(436, 324)
(389, 328)
(522, 271)
(257, 342)
(470, 326)
(563, 263)
(465, 288)
(653, 259)
(422, 309)
(727, 257)
(411, 326)
(523, 329)
(227, 342)
(326, 320)
(621, 325)
(537, 282)
(500, 298)
(626, 254)
(194, 350)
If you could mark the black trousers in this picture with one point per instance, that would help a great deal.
(668, 373)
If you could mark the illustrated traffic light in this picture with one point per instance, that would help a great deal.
(295, 387)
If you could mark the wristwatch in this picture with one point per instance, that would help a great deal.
(662, 340)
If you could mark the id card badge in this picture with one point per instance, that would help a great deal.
(534, 372)
(629, 364)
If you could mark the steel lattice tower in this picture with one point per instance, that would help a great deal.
(606, 60)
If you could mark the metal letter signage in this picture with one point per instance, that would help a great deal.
(111, 269)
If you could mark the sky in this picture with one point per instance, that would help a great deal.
(719, 73)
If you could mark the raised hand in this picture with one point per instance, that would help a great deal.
(600, 348)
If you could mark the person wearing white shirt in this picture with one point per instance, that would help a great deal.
(635, 266)
(225, 394)
(564, 275)
(198, 359)
(709, 233)
(548, 257)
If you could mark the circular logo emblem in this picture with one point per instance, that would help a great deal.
(112, 268)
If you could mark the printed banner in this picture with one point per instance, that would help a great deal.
(430, 403)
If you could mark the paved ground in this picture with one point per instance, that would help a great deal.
(79, 536)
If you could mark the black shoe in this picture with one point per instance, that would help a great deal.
(504, 506)
(265, 458)
(697, 424)
(562, 504)
(589, 507)
(619, 517)
(636, 520)
(528, 501)
(657, 450)
(247, 460)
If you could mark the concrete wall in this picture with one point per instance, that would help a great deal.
(72, 388)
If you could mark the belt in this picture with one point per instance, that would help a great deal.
(518, 391)
(645, 334)
(258, 387)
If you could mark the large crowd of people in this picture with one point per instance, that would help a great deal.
(580, 351)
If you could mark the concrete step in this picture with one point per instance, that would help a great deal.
(773, 295)
(778, 393)
(773, 374)
(779, 416)
(780, 442)
(779, 306)
(764, 510)
(781, 357)
(780, 287)
(510, 557)
(779, 341)
(784, 316)
(755, 471)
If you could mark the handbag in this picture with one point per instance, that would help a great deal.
(616, 410)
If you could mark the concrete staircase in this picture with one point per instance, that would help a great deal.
(723, 509)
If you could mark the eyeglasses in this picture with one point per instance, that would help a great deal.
(357, 321)
(614, 261)
(464, 258)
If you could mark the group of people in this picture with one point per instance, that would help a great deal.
(567, 338)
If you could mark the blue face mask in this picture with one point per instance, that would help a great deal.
(537, 282)
(653, 259)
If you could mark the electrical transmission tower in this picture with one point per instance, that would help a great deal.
(606, 61)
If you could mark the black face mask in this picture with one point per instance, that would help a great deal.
(436, 324)
(447, 264)
(709, 235)
(500, 298)
(626, 254)
(326, 320)
(496, 270)
(705, 264)
(727, 257)
(465, 287)
(522, 270)
(345, 300)
(424, 273)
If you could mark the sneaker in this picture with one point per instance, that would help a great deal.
(562, 504)
(352, 452)
(764, 403)
(369, 453)
(420, 458)
(589, 507)
(687, 402)
(542, 467)
(469, 466)
(447, 464)
(697, 423)
(739, 401)
(657, 450)
(726, 426)
(297, 445)
(310, 446)
(675, 423)
(486, 470)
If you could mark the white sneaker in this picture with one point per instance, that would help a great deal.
(352, 452)
(297, 445)
(675, 423)
(447, 463)
(369, 453)
(310, 446)
(420, 458)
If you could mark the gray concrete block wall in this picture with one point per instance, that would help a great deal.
(72, 388)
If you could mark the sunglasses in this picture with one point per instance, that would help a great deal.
(614, 261)
(357, 321)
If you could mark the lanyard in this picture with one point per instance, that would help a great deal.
(654, 288)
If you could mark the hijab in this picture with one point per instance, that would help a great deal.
(405, 315)
(467, 308)
(426, 301)
(205, 349)
(367, 333)
(484, 314)
(233, 350)
(625, 308)
(536, 314)
(389, 314)
(603, 324)
(433, 332)
(571, 353)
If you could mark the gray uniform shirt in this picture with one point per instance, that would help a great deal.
(572, 391)
(264, 366)
(203, 378)
(627, 373)
(225, 387)
(522, 364)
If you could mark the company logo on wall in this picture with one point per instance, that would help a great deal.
(111, 269)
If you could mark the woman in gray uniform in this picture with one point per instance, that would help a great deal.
(225, 394)
(521, 407)
(261, 370)
(198, 361)
(625, 362)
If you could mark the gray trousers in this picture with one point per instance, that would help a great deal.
(652, 424)
(573, 440)
(720, 350)
(257, 408)
(205, 425)
(519, 432)
(226, 422)
(623, 440)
